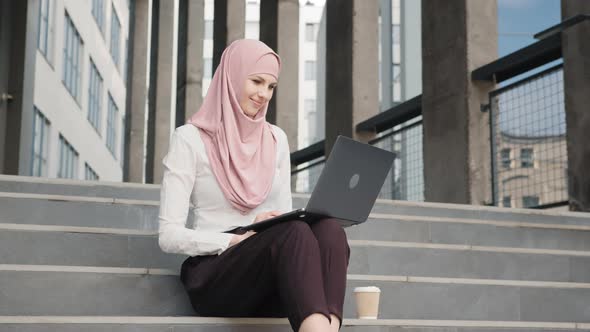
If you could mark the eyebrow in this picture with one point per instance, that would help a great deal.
(262, 79)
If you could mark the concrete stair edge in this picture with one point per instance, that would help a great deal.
(193, 320)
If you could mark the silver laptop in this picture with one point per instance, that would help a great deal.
(347, 188)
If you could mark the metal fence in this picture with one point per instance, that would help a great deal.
(405, 180)
(306, 175)
(528, 132)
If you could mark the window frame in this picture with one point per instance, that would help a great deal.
(527, 161)
(115, 43)
(95, 88)
(72, 58)
(40, 144)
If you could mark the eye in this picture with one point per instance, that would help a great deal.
(272, 87)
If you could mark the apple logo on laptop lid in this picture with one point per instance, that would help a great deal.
(354, 181)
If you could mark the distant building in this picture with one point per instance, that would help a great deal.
(76, 124)
(531, 171)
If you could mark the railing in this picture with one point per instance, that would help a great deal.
(405, 180)
(399, 130)
(529, 155)
(527, 117)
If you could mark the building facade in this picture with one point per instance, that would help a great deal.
(78, 83)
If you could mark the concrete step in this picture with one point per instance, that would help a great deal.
(68, 187)
(202, 324)
(474, 212)
(78, 211)
(51, 290)
(120, 214)
(117, 213)
(150, 192)
(43, 245)
(142, 214)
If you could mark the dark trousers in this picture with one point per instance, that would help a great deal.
(291, 269)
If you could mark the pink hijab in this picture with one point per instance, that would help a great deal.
(241, 150)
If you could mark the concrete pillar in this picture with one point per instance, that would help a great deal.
(134, 170)
(165, 86)
(386, 55)
(576, 76)
(411, 49)
(279, 29)
(352, 67)
(457, 37)
(20, 19)
(5, 51)
(194, 58)
(229, 24)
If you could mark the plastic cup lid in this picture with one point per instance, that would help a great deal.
(369, 289)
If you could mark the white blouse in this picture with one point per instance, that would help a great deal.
(190, 187)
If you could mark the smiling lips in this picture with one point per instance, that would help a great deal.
(256, 104)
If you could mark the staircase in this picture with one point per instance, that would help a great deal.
(83, 256)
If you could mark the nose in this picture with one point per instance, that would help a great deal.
(264, 93)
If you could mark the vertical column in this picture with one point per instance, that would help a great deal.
(229, 24)
(165, 86)
(386, 55)
(5, 50)
(411, 49)
(456, 132)
(287, 95)
(20, 57)
(269, 35)
(194, 58)
(134, 170)
(279, 29)
(576, 61)
(352, 67)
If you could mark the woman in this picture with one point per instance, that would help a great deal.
(232, 168)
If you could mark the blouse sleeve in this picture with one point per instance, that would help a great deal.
(180, 168)
(285, 201)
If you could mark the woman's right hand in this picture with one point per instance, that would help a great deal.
(267, 215)
(237, 238)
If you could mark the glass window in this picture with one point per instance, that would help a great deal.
(530, 201)
(310, 71)
(40, 143)
(207, 68)
(112, 125)
(72, 57)
(507, 201)
(505, 158)
(526, 158)
(126, 63)
(94, 96)
(309, 105)
(208, 29)
(397, 82)
(252, 30)
(98, 10)
(68, 160)
(89, 173)
(310, 32)
(122, 140)
(395, 33)
(115, 38)
(42, 42)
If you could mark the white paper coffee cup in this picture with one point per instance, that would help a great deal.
(367, 302)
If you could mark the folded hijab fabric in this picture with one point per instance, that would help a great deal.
(241, 150)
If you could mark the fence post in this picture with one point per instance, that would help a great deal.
(576, 80)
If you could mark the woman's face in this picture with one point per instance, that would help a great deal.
(256, 93)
